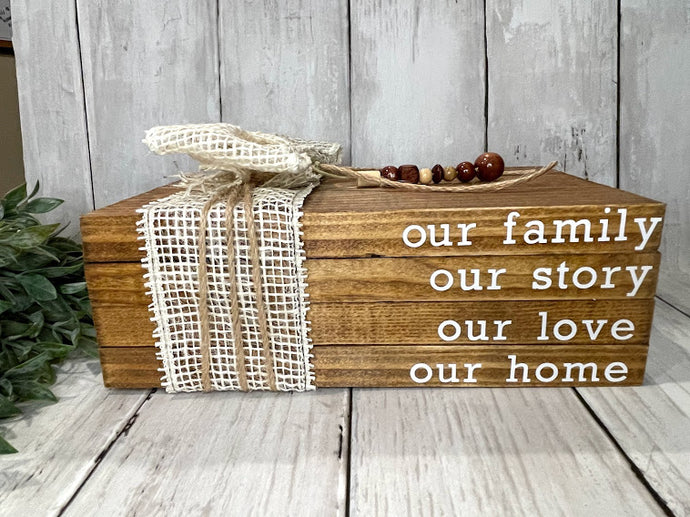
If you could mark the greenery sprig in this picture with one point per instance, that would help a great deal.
(45, 312)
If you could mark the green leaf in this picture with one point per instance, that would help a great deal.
(22, 348)
(42, 205)
(34, 390)
(58, 271)
(30, 366)
(88, 346)
(66, 245)
(37, 320)
(8, 255)
(33, 236)
(7, 409)
(5, 447)
(73, 288)
(38, 286)
(14, 197)
(55, 350)
(5, 305)
(14, 329)
(34, 191)
(56, 310)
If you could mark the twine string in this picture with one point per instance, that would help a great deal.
(242, 186)
(240, 361)
(511, 177)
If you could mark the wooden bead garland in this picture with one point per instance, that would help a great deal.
(487, 167)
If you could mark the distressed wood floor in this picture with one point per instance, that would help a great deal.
(610, 451)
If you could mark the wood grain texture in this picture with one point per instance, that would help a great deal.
(400, 323)
(651, 423)
(285, 67)
(654, 125)
(409, 279)
(226, 454)
(417, 82)
(341, 221)
(145, 64)
(120, 286)
(389, 366)
(486, 452)
(409, 323)
(59, 445)
(51, 105)
(552, 84)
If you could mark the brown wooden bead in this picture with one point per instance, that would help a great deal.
(390, 172)
(437, 173)
(489, 166)
(409, 173)
(466, 171)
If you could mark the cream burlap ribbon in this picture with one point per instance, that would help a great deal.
(224, 260)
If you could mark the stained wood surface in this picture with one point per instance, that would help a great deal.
(60, 445)
(485, 452)
(227, 453)
(285, 68)
(145, 64)
(417, 82)
(410, 322)
(389, 365)
(654, 124)
(341, 221)
(651, 422)
(52, 105)
(415, 323)
(552, 84)
(408, 279)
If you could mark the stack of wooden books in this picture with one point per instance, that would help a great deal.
(547, 283)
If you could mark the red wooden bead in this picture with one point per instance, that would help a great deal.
(390, 172)
(409, 173)
(489, 166)
(465, 171)
(437, 173)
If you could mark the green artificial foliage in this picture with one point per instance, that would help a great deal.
(45, 312)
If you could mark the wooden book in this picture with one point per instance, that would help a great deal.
(547, 283)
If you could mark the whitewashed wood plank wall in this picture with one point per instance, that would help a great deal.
(600, 86)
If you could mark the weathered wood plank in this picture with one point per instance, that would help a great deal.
(390, 365)
(654, 125)
(417, 82)
(284, 67)
(60, 444)
(51, 105)
(486, 452)
(145, 64)
(227, 453)
(552, 84)
(651, 422)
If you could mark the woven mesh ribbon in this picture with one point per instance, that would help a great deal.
(170, 229)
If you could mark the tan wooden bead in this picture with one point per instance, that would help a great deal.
(450, 173)
(425, 176)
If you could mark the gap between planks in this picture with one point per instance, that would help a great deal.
(99, 459)
(599, 420)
